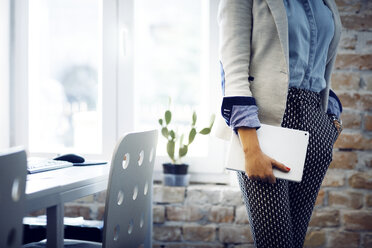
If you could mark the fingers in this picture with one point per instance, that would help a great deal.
(270, 178)
(280, 166)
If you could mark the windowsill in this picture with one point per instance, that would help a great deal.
(225, 178)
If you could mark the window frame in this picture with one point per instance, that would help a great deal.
(4, 73)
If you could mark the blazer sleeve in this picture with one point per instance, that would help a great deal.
(235, 25)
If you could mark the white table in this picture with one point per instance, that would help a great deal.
(52, 189)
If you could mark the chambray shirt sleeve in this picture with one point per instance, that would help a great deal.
(244, 116)
(334, 104)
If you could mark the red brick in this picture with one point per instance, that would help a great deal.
(345, 81)
(345, 199)
(241, 215)
(365, 158)
(368, 122)
(348, 6)
(351, 120)
(221, 214)
(367, 241)
(366, 102)
(366, 43)
(158, 214)
(348, 42)
(361, 180)
(186, 212)
(320, 198)
(203, 195)
(368, 81)
(354, 61)
(358, 220)
(349, 100)
(356, 101)
(167, 233)
(232, 197)
(315, 239)
(344, 239)
(235, 234)
(334, 179)
(353, 141)
(199, 233)
(357, 21)
(368, 201)
(76, 211)
(166, 194)
(344, 160)
(325, 218)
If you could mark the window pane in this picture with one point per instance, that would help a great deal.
(65, 75)
(170, 62)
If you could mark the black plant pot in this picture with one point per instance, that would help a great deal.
(175, 174)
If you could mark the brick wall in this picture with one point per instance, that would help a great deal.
(213, 216)
(344, 206)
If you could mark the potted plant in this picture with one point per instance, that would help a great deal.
(175, 173)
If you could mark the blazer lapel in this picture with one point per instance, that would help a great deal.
(280, 18)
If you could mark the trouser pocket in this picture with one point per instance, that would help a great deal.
(333, 128)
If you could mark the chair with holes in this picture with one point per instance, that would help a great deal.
(13, 172)
(128, 214)
(128, 209)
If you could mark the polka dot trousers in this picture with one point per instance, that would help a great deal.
(279, 213)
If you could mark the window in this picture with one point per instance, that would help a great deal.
(64, 76)
(96, 69)
(171, 48)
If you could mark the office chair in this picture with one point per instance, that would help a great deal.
(128, 209)
(13, 172)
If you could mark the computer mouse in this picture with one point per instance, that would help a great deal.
(73, 158)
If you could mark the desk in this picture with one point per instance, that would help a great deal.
(52, 189)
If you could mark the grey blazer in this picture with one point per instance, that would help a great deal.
(254, 42)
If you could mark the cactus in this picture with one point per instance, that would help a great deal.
(172, 136)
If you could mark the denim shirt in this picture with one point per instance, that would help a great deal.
(310, 31)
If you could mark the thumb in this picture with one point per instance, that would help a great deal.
(280, 166)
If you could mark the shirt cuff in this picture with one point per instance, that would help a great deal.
(334, 104)
(240, 111)
(244, 116)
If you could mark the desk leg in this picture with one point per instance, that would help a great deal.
(55, 227)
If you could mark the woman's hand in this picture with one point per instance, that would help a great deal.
(337, 123)
(258, 165)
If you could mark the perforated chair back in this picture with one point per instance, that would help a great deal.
(128, 213)
(12, 197)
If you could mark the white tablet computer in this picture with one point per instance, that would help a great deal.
(285, 145)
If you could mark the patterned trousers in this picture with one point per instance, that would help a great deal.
(279, 213)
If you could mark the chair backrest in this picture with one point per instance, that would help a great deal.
(128, 210)
(13, 165)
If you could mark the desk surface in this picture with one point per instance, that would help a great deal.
(49, 188)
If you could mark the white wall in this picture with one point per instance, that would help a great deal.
(4, 72)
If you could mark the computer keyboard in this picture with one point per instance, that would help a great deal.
(35, 165)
